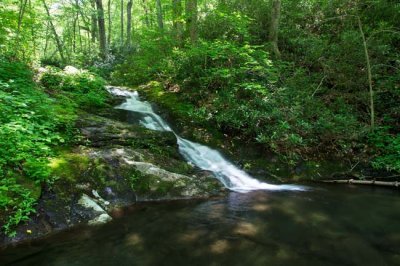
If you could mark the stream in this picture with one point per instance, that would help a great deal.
(327, 225)
(198, 155)
(256, 223)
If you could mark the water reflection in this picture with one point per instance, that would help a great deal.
(339, 226)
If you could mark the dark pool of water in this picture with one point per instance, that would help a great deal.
(332, 225)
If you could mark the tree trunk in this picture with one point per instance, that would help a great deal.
(21, 13)
(22, 8)
(74, 32)
(122, 22)
(274, 27)
(146, 13)
(33, 29)
(102, 28)
(109, 23)
(369, 73)
(84, 18)
(46, 44)
(129, 23)
(94, 21)
(191, 19)
(160, 15)
(177, 20)
(56, 37)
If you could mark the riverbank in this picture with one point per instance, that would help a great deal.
(98, 164)
(116, 165)
(256, 158)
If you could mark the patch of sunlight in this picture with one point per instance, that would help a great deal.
(219, 246)
(134, 240)
(216, 212)
(261, 207)
(191, 236)
(56, 162)
(319, 217)
(290, 208)
(247, 229)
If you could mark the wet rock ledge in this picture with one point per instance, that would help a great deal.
(116, 165)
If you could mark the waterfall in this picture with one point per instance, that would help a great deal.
(199, 155)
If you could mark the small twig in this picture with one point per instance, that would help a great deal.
(319, 86)
(352, 168)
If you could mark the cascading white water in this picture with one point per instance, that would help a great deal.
(199, 155)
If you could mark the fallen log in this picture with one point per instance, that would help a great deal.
(364, 182)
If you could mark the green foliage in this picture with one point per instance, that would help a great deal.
(218, 64)
(84, 88)
(32, 126)
(15, 201)
(222, 24)
(144, 60)
(388, 147)
(239, 89)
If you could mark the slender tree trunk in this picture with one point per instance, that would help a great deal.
(80, 37)
(146, 13)
(22, 8)
(56, 37)
(102, 28)
(122, 22)
(129, 23)
(46, 44)
(21, 13)
(84, 18)
(33, 30)
(274, 27)
(109, 23)
(191, 19)
(94, 20)
(160, 15)
(74, 32)
(369, 73)
(151, 15)
(177, 20)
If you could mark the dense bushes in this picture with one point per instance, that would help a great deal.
(32, 126)
(240, 90)
(144, 60)
(84, 88)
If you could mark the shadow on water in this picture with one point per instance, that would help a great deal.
(326, 226)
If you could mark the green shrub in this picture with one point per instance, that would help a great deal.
(144, 61)
(388, 149)
(238, 89)
(17, 202)
(31, 126)
(84, 88)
